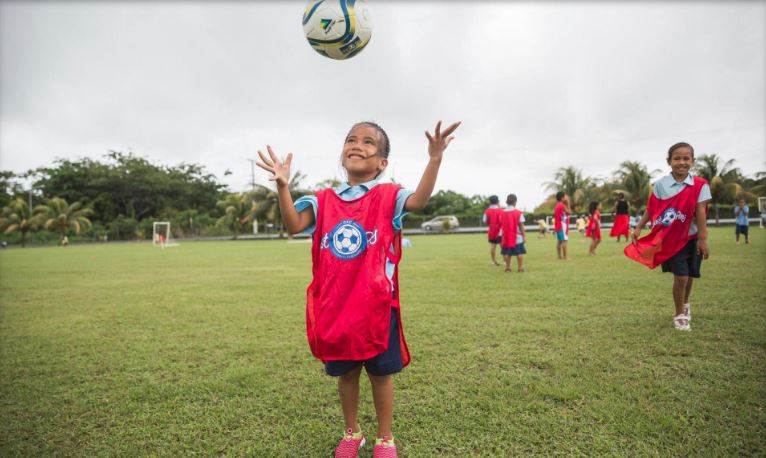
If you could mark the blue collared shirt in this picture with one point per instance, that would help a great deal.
(741, 215)
(347, 192)
(667, 187)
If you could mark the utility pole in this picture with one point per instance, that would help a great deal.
(252, 173)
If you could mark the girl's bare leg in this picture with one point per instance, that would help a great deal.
(348, 388)
(383, 397)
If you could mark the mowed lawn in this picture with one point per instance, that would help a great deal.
(124, 349)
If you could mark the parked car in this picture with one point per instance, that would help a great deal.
(441, 223)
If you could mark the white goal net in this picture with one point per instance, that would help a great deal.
(761, 210)
(161, 236)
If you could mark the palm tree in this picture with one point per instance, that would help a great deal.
(636, 182)
(59, 216)
(267, 200)
(723, 179)
(239, 210)
(570, 180)
(17, 217)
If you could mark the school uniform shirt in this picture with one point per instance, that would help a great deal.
(348, 192)
(742, 215)
(667, 187)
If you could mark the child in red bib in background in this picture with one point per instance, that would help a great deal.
(513, 234)
(561, 224)
(677, 209)
(593, 230)
(491, 218)
(353, 315)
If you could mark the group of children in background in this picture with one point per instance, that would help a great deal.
(503, 223)
(506, 228)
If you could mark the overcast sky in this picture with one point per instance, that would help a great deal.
(537, 86)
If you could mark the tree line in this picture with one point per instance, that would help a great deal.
(120, 196)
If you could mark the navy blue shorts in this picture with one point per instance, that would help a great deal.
(496, 240)
(741, 229)
(685, 263)
(515, 251)
(387, 363)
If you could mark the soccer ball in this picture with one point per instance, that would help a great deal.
(337, 29)
(347, 240)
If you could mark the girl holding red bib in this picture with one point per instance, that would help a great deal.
(353, 316)
(677, 209)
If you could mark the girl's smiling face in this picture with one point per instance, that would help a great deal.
(681, 161)
(360, 153)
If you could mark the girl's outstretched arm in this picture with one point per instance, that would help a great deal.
(436, 146)
(294, 222)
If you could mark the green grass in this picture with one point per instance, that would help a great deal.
(123, 349)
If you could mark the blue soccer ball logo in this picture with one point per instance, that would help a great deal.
(348, 240)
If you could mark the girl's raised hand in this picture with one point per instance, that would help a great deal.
(280, 170)
(439, 141)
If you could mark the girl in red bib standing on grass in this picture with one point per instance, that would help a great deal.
(353, 314)
(677, 209)
(593, 230)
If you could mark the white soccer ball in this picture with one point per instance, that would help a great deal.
(347, 240)
(337, 29)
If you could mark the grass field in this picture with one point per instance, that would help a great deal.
(123, 349)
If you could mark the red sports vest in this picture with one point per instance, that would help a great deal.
(510, 222)
(350, 299)
(560, 218)
(493, 221)
(594, 225)
(671, 220)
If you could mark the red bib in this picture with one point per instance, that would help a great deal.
(350, 299)
(593, 230)
(671, 220)
(510, 222)
(493, 221)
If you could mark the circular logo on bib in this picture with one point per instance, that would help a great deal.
(347, 240)
(668, 216)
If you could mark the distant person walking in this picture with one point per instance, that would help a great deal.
(621, 224)
(741, 213)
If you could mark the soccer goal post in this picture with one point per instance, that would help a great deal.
(761, 210)
(161, 236)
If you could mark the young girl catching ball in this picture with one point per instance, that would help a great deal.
(593, 230)
(353, 316)
(677, 209)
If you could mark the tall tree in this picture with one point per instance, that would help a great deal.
(238, 211)
(17, 217)
(129, 185)
(722, 176)
(571, 181)
(59, 216)
(267, 200)
(636, 182)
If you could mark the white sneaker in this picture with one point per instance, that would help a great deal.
(688, 312)
(681, 323)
